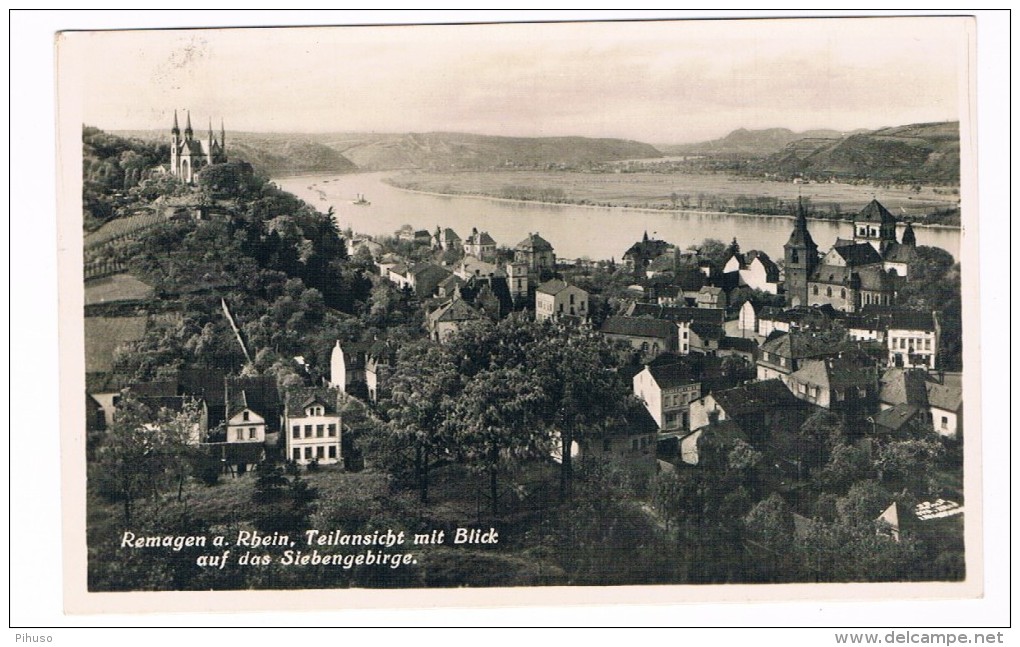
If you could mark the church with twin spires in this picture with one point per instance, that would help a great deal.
(189, 155)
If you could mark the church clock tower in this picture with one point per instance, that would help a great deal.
(801, 256)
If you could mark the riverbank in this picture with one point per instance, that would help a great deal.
(663, 209)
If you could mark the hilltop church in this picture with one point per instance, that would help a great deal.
(188, 155)
(865, 270)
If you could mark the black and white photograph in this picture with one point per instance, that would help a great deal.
(518, 307)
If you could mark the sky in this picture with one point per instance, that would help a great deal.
(659, 82)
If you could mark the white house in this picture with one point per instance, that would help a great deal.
(244, 424)
(312, 425)
(556, 298)
(667, 388)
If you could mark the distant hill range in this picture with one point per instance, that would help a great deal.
(280, 153)
(927, 153)
(750, 143)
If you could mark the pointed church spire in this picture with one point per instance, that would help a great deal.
(908, 236)
(210, 131)
(187, 127)
(223, 137)
(176, 130)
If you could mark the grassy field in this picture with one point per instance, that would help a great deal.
(654, 190)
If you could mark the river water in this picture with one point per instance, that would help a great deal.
(575, 231)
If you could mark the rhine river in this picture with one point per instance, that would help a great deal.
(575, 231)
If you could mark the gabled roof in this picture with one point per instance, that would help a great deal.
(904, 386)
(771, 269)
(708, 331)
(669, 375)
(900, 253)
(534, 243)
(639, 327)
(710, 289)
(430, 271)
(756, 397)
(832, 275)
(875, 278)
(798, 345)
(480, 238)
(875, 212)
(299, 397)
(454, 311)
(204, 383)
(874, 317)
(858, 254)
(636, 422)
(555, 286)
(261, 394)
(895, 417)
(676, 313)
(738, 344)
(834, 373)
(947, 398)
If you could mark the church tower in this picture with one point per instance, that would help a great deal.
(875, 225)
(801, 255)
(175, 145)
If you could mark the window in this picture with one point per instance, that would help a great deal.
(814, 290)
(927, 344)
(320, 452)
(582, 306)
(252, 434)
(308, 453)
(240, 434)
(332, 451)
(296, 431)
(244, 416)
(945, 422)
(644, 347)
(331, 430)
(828, 292)
(297, 453)
(319, 430)
(903, 343)
(685, 334)
(842, 293)
(571, 299)
(308, 431)
(794, 256)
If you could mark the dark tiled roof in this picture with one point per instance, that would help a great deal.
(553, 286)
(896, 416)
(798, 345)
(677, 313)
(739, 344)
(637, 422)
(671, 375)
(155, 389)
(204, 383)
(261, 393)
(944, 397)
(639, 327)
(756, 397)
(534, 243)
(480, 238)
(832, 373)
(904, 386)
(900, 253)
(456, 310)
(858, 254)
(875, 212)
(832, 275)
(874, 278)
(708, 331)
(895, 317)
(299, 397)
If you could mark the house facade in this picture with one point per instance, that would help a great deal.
(648, 337)
(313, 426)
(667, 389)
(558, 298)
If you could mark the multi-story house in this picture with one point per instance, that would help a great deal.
(480, 245)
(557, 298)
(667, 388)
(647, 336)
(785, 353)
(313, 425)
(911, 336)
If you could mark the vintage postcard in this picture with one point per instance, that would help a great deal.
(479, 314)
